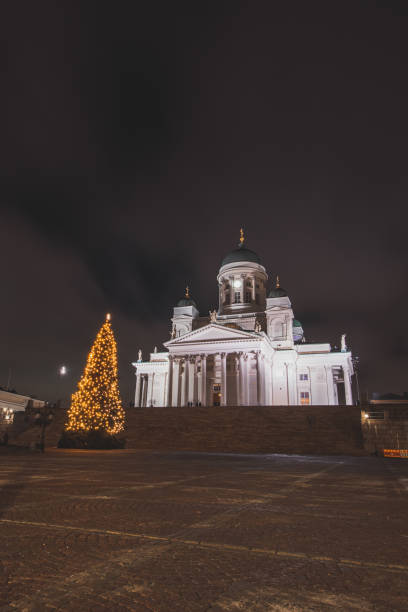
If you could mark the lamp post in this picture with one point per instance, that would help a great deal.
(44, 417)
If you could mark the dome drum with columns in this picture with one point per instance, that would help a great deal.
(251, 351)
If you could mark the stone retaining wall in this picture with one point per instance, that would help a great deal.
(321, 430)
(331, 430)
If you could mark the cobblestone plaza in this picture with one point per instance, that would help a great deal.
(131, 530)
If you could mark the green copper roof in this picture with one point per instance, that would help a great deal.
(241, 254)
(186, 302)
(296, 323)
(277, 292)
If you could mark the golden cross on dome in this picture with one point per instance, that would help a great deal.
(277, 282)
(242, 238)
(187, 291)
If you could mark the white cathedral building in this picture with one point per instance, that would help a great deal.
(251, 352)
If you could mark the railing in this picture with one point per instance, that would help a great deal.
(389, 413)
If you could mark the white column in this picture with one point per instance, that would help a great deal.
(197, 388)
(258, 379)
(143, 391)
(224, 398)
(191, 379)
(241, 376)
(169, 382)
(204, 380)
(268, 382)
(287, 384)
(176, 382)
(148, 389)
(183, 377)
(137, 392)
(237, 378)
(347, 387)
(199, 362)
(245, 387)
(330, 386)
(151, 381)
(261, 376)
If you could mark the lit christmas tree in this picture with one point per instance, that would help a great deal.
(96, 405)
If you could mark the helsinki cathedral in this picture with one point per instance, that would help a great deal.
(251, 352)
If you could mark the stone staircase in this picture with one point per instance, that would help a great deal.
(24, 433)
(303, 430)
(331, 430)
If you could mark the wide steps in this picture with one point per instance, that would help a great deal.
(282, 429)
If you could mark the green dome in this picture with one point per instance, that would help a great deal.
(277, 292)
(296, 323)
(241, 254)
(186, 302)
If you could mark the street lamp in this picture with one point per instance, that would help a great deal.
(44, 417)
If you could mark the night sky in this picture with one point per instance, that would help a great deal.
(137, 138)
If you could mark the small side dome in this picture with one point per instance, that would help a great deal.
(277, 291)
(298, 334)
(187, 300)
(241, 254)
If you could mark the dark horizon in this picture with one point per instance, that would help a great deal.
(137, 141)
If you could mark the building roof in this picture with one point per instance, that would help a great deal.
(241, 254)
(186, 302)
(277, 292)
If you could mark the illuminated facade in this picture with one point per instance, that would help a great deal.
(251, 352)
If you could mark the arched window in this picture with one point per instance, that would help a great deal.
(278, 329)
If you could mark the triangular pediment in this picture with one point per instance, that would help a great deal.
(213, 332)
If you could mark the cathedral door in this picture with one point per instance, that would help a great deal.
(216, 395)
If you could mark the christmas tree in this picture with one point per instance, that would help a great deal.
(96, 405)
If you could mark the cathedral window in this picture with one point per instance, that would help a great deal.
(248, 284)
(304, 397)
(247, 296)
(237, 297)
(304, 377)
(257, 298)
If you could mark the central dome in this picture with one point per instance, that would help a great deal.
(241, 254)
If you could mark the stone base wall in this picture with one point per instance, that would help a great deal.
(324, 430)
(316, 430)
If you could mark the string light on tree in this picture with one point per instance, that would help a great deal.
(96, 405)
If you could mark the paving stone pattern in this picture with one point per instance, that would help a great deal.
(132, 530)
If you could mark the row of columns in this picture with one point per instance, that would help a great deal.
(144, 389)
(187, 381)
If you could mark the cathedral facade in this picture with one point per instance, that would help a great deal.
(251, 352)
